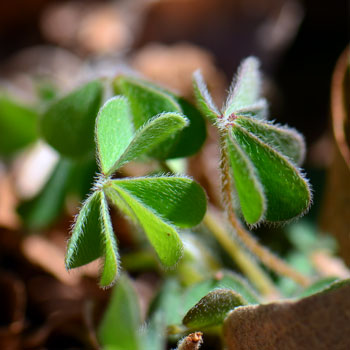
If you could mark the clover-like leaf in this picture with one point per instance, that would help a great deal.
(286, 191)
(283, 139)
(68, 124)
(178, 200)
(114, 132)
(93, 237)
(122, 319)
(249, 189)
(162, 235)
(18, 126)
(148, 100)
(213, 308)
(152, 133)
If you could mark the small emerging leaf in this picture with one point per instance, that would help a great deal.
(228, 280)
(245, 89)
(68, 124)
(121, 321)
(212, 309)
(114, 132)
(18, 126)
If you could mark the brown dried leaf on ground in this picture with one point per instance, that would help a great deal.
(321, 322)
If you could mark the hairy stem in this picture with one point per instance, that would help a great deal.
(248, 266)
(266, 257)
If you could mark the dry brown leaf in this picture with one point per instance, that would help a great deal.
(321, 322)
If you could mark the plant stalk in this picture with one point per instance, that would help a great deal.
(248, 266)
(266, 257)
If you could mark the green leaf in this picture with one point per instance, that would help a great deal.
(147, 100)
(68, 124)
(114, 132)
(250, 191)
(151, 134)
(161, 234)
(191, 138)
(47, 205)
(245, 89)
(154, 336)
(283, 139)
(228, 280)
(111, 256)
(258, 110)
(318, 286)
(212, 309)
(118, 329)
(178, 200)
(286, 191)
(93, 237)
(204, 100)
(18, 126)
(169, 302)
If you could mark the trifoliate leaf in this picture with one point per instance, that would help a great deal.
(148, 100)
(93, 237)
(212, 309)
(178, 200)
(18, 126)
(68, 124)
(162, 235)
(204, 100)
(155, 131)
(119, 327)
(247, 184)
(286, 191)
(114, 132)
(47, 205)
(245, 89)
(283, 139)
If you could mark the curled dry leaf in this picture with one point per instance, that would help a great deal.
(192, 342)
(321, 321)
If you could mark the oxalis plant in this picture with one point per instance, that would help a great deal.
(260, 175)
(261, 182)
(158, 204)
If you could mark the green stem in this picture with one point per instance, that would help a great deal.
(266, 257)
(248, 266)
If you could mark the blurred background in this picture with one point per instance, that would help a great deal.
(49, 47)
